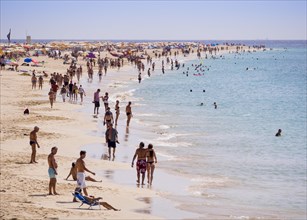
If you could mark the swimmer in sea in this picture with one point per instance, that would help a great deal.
(278, 133)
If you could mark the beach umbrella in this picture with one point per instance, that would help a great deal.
(91, 55)
(34, 61)
(27, 60)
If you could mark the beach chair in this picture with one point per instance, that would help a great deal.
(80, 197)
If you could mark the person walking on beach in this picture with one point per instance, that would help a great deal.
(73, 174)
(80, 166)
(106, 101)
(108, 117)
(33, 143)
(128, 113)
(140, 154)
(33, 80)
(51, 97)
(140, 78)
(81, 92)
(97, 101)
(117, 111)
(111, 139)
(52, 171)
(215, 105)
(151, 160)
(63, 93)
(40, 82)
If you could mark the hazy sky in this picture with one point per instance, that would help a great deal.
(178, 20)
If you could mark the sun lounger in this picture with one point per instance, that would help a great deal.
(94, 202)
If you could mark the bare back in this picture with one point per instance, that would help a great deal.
(141, 153)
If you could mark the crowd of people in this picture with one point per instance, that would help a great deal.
(145, 157)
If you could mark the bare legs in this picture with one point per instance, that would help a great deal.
(108, 206)
(110, 153)
(52, 184)
(33, 155)
(150, 172)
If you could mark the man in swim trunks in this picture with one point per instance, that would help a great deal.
(111, 139)
(52, 171)
(33, 143)
(141, 164)
(96, 101)
(80, 165)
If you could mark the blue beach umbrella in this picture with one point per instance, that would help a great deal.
(27, 60)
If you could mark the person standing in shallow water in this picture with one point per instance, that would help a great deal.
(52, 171)
(128, 113)
(117, 111)
(140, 154)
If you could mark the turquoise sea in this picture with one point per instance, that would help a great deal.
(226, 162)
(231, 155)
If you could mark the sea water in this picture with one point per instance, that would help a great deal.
(236, 165)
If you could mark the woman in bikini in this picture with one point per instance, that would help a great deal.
(151, 160)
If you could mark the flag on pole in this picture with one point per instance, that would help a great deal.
(9, 36)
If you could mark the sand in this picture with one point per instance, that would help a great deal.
(24, 186)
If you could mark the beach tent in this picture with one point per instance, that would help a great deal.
(27, 60)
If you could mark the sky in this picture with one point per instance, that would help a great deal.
(154, 20)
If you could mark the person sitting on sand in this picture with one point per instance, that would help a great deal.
(91, 199)
(73, 173)
(140, 154)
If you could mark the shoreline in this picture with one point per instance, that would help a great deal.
(38, 111)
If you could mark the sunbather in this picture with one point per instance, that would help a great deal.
(95, 201)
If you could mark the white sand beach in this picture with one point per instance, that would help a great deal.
(24, 186)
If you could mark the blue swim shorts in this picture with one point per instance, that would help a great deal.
(51, 173)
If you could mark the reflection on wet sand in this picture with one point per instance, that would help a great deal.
(109, 174)
(127, 134)
(147, 201)
(104, 157)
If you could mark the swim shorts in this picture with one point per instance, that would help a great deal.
(97, 104)
(141, 166)
(81, 180)
(51, 173)
(112, 144)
